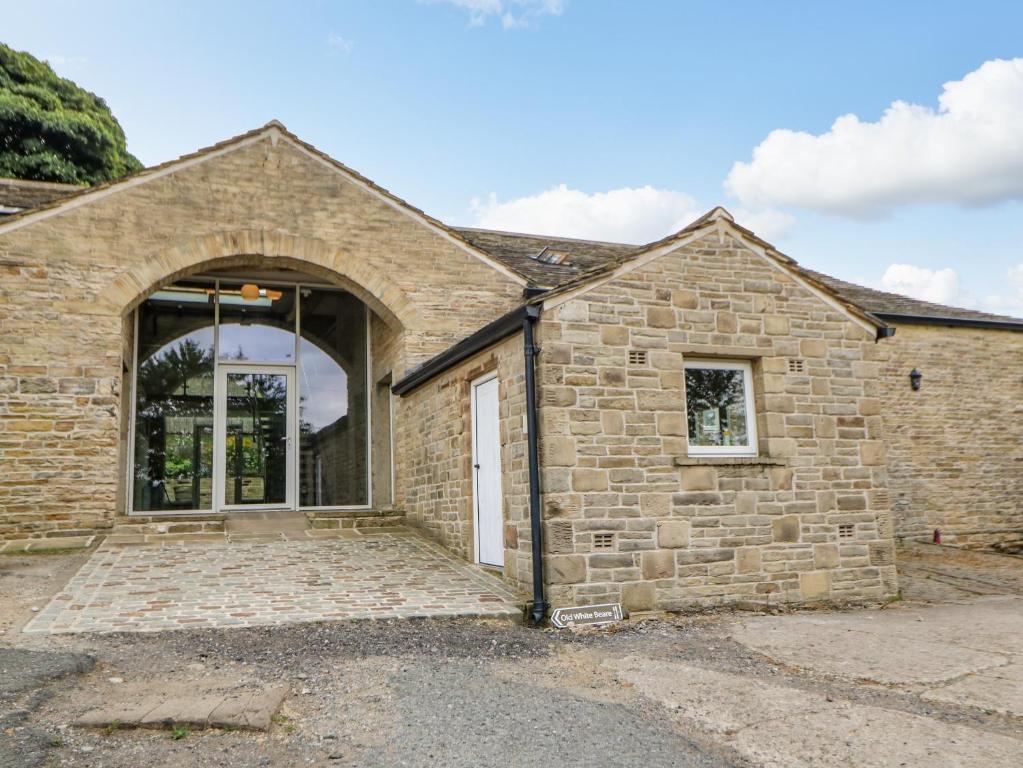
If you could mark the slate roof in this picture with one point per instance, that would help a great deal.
(886, 304)
(594, 256)
(519, 252)
(18, 193)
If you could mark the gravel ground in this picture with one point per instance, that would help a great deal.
(404, 693)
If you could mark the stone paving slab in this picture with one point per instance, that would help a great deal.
(249, 709)
(60, 543)
(770, 724)
(148, 588)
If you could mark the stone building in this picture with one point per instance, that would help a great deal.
(692, 422)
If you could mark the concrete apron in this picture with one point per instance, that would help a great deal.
(261, 577)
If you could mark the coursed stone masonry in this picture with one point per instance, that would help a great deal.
(70, 281)
(955, 447)
(690, 532)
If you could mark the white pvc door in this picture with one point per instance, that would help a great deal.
(486, 460)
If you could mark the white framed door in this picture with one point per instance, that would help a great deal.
(488, 517)
(254, 437)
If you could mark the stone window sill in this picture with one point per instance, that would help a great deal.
(727, 461)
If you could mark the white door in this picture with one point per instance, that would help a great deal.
(254, 441)
(486, 460)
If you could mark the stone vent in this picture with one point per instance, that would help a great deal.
(797, 365)
(637, 357)
(603, 540)
(846, 531)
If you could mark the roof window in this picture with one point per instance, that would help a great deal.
(550, 256)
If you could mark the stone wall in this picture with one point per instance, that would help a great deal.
(807, 520)
(436, 456)
(955, 453)
(68, 283)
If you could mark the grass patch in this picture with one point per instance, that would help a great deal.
(178, 732)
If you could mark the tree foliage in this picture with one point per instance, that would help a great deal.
(53, 130)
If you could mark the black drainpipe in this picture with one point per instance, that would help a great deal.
(538, 609)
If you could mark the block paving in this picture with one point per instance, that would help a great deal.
(270, 580)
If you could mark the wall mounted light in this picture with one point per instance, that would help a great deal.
(915, 377)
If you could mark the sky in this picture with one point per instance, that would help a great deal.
(879, 142)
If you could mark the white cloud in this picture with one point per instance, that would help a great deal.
(768, 223)
(627, 215)
(1012, 301)
(339, 44)
(511, 13)
(939, 286)
(968, 152)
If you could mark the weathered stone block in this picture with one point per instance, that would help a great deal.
(672, 534)
(872, 453)
(785, 529)
(566, 569)
(815, 585)
(671, 423)
(825, 556)
(658, 564)
(589, 480)
(747, 560)
(660, 317)
(638, 596)
(699, 479)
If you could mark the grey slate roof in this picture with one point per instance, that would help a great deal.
(517, 251)
(884, 303)
(18, 193)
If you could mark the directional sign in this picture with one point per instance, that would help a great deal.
(587, 614)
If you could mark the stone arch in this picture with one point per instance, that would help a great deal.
(261, 248)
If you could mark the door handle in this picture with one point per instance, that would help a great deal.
(475, 466)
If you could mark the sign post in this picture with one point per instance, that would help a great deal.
(587, 615)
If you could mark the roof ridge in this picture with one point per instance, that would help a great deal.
(509, 233)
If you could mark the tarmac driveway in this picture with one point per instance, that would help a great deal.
(177, 585)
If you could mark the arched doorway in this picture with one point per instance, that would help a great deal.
(254, 389)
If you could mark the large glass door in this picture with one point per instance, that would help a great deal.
(255, 455)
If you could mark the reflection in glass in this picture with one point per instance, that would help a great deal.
(257, 323)
(174, 401)
(256, 453)
(333, 400)
(716, 407)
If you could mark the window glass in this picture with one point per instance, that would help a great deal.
(333, 400)
(257, 323)
(173, 461)
(717, 403)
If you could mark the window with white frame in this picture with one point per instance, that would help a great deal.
(720, 414)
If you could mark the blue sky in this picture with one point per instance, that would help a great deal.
(618, 120)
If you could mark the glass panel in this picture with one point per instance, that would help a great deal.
(257, 323)
(716, 407)
(333, 401)
(173, 461)
(256, 450)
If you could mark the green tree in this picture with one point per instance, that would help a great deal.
(53, 130)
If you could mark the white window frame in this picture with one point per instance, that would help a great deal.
(751, 413)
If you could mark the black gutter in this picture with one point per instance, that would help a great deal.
(538, 610)
(501, 328)
(962, 322)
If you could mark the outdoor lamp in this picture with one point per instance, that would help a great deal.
(915, 378)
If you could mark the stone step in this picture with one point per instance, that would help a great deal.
(243, 709)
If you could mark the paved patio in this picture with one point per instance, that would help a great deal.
(179, 585)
